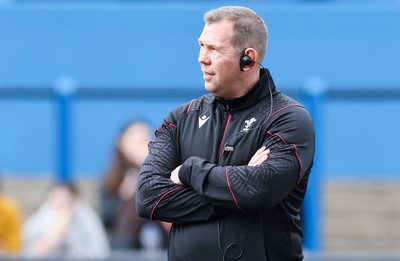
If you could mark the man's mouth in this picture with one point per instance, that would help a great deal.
(207, 75)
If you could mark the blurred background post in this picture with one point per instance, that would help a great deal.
(65, 89)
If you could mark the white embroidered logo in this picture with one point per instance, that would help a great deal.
(203, 119)
(248, 124)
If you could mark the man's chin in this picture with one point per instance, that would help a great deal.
(209, 87)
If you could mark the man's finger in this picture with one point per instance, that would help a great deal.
(259, 157)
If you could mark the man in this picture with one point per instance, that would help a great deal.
(230, 169)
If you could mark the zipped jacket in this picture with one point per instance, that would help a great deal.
(228, 210)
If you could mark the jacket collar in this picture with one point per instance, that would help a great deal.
(259, 91)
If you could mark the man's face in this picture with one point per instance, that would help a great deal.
(219, 60)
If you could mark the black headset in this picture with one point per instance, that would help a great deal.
(245, 60)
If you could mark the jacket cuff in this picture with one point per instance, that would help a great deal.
(185, 172)
(194, 172)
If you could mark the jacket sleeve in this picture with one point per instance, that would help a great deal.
(247, 188)
(160, 198)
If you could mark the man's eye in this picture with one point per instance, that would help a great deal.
(215, 49)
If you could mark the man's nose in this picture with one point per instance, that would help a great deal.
(203, 58)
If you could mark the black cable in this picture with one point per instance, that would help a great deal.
(232, 246)
(269, 114)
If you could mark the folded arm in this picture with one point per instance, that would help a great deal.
(250, 187)
(158, 197)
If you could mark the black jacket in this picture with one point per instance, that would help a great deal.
(228, 210)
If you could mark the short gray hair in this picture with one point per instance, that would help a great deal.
(249, 29)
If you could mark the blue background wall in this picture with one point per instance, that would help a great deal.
(148, 50)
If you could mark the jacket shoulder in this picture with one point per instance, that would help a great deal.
(198, 104)
(283, 103)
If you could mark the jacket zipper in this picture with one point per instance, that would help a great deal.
(223, 136)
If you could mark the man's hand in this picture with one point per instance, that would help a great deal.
(259, 157)
(175, 176)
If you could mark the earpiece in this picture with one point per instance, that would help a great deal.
(245, 60)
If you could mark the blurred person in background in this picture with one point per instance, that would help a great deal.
(230, 169)
(118, 192)
(11, 218)
(65, 227)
